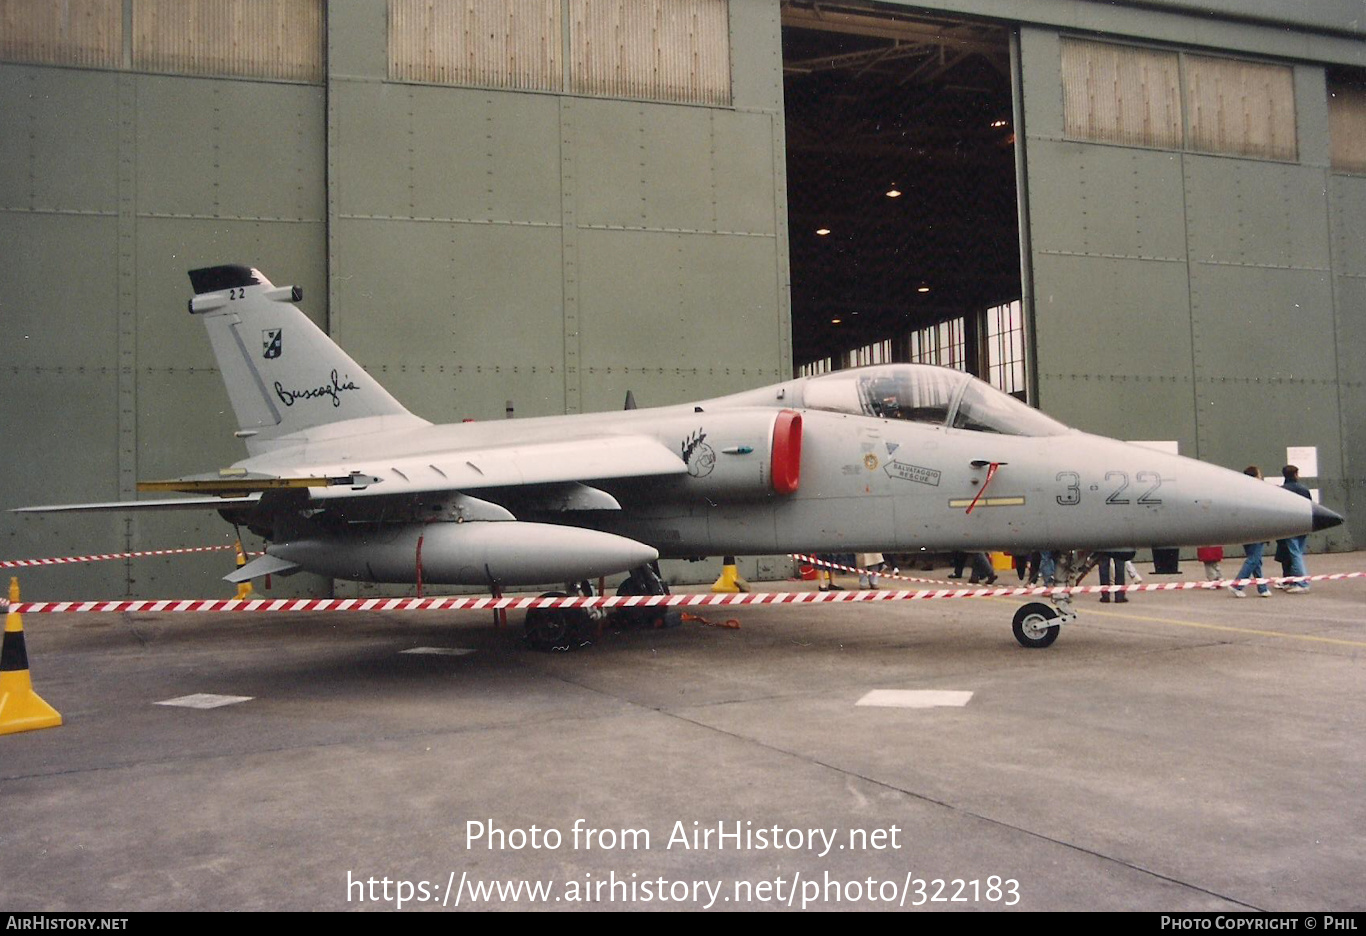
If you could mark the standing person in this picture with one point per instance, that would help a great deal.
(825, 576)
(869, 565)
(1117, 559)
(982, 571)
(960, 559)
(1290, 552)
(1211, 556)
(1252, 564)
(1048, 566)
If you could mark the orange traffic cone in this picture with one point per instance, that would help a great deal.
(21, 709)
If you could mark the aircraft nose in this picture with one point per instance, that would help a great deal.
(1325, 518)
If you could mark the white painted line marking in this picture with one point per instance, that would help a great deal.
(206, 700)
(440, 651)
(916, 698)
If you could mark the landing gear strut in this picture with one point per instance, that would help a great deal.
(645, 580)
(561, 629)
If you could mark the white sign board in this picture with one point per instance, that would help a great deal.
(1305, 458)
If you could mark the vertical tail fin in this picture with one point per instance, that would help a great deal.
(285, 377)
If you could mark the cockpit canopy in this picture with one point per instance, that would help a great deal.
(927, 394)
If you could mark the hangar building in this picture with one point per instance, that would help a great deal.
(1147, 218)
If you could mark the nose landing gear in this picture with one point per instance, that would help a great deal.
(1033, 625)
(1036, 625)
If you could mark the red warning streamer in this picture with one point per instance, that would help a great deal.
(991, 473)
(172, 605)
(103, 557)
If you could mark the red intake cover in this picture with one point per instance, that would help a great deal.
(787, 452)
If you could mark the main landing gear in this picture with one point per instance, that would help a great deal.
(563, 629)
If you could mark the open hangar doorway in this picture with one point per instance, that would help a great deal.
(902, 192)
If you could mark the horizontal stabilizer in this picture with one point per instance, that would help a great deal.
(170, 503)
(262, 565)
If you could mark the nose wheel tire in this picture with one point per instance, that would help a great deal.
(1032, 627)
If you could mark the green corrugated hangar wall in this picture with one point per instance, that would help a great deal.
(467, 246)
(1212, 300)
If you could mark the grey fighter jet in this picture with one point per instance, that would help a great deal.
(343, 481)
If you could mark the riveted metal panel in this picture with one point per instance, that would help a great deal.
(1268, 334)
(1106, 201)
(181, 403)
(1313, 131)
(688, 298)
(1347, 197)
(757, 55)
(743, 151)
(66, 418)
(426, 307)
(405, 151)
(280, 39)
(1125, 406)
(1040, 87)
(58, 143)
(234, 149)
(56, 280)
(1247, 423)
(483, 155)
(369, 133)
(1350, 295)
(51, 412)
(88, 33)
(1237, 412)
(1262, 322)
(723, 291)
(357, 39)
(611, 185)
(663, 168)
(676, 168)
(1256, 213)
(1100, 319)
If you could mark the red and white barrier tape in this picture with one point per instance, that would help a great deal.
(102, 557)
(855, 570)
(1090, 589)
(173, 605)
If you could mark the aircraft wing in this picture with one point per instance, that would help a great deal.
(525, 465)
(577, 460)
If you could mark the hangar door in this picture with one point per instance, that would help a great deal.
(902, 192)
